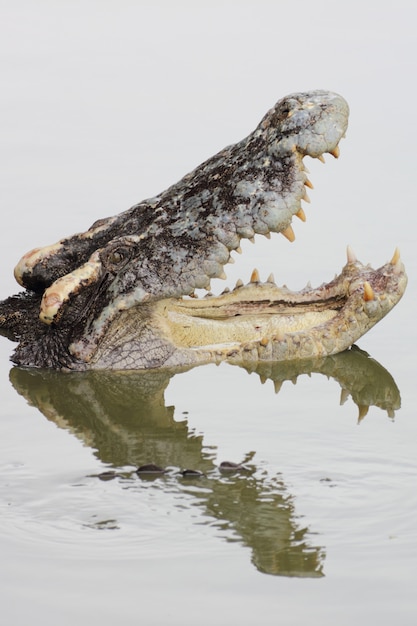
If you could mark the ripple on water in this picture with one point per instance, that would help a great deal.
(376, 494)
(128, 517)
(85, 516)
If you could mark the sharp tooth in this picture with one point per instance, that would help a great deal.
(288, 233)
(255, 276)
(239, 283)
(226, 290)
(368, 292)
(308, 183)
(222, 276)
(398, 267)
(321, 158)
(301, 215)
(231, 260)
(351, 256)
(271, 279)
(251, 239)
(306, 198)
(396, 257)
(307, 171)
(335, 152)
(239, 250)
(267, 235)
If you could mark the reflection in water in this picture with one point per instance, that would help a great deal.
(357, 373)
(123, 417)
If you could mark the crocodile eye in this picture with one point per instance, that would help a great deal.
(115, 259)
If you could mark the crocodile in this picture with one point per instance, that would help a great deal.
(122, 294)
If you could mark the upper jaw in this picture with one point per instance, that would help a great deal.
(310, 123)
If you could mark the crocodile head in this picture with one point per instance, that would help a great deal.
(118, 295)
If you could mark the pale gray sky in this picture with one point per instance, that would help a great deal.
(105, 103)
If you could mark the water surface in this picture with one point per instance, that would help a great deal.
(320, 497)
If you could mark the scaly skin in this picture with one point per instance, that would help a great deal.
(112, 297)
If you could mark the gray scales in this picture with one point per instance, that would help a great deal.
(117, 295)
